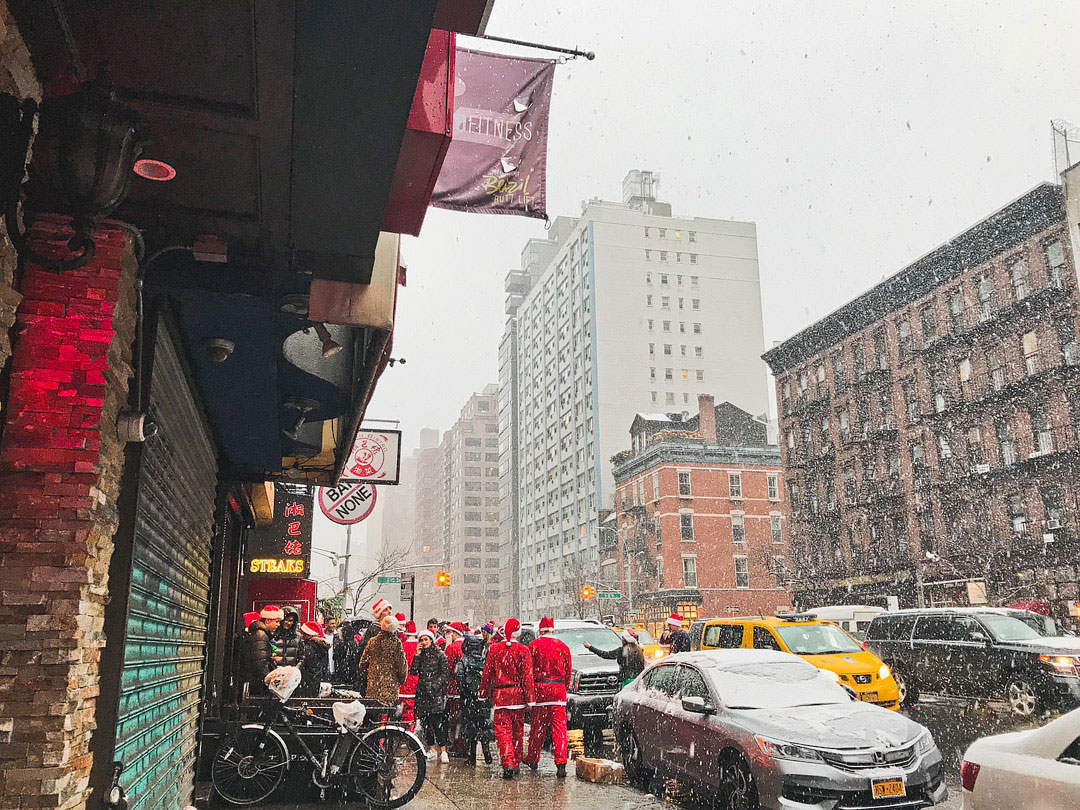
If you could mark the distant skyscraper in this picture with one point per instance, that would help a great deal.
(622, 310)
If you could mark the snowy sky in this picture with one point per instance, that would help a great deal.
(857, 139)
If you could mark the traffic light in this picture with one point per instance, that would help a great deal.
(588, 592)
(442, 579)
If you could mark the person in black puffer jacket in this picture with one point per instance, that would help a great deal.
(259, 649)
(288, 640)
(433, 673)
(314, 665)
(629, 656)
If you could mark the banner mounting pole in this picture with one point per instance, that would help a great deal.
(590, 55)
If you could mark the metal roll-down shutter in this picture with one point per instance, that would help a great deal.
(164, 649)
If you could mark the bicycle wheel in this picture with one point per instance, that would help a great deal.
(249, 766)
(387, 767)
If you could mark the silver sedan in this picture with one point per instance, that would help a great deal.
(757, 728)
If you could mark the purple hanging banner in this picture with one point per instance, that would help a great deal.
(497, 160)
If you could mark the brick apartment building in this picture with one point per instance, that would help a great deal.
(930, 427)
(700, 517)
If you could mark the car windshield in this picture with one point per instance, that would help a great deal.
(1007, 628)
(817, 639)
(602, 638)
(775, 685)
(643, 637)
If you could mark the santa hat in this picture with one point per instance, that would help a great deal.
(629, 636)
(675, 620)
(410, 628)
(271, 612)
(313, 629)
(457, 627)
(510, 627)
(547, 623)
(427, 634)
(400, 617)
(381, 605)
(250, 617)
(440, 641)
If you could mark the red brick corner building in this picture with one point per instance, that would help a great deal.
(699, 518)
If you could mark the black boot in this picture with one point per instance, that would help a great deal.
(560, 771)
(508, 773)
(533, 765)
(472, 752)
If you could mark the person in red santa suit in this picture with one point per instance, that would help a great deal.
(507, 681)
(454, 633)
(551, 679)
(407, 695)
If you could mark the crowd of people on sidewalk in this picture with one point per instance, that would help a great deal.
(459, 687)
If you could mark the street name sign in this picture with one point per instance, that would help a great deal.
(609, 595)
(389, 580)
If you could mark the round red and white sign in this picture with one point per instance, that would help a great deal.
(368, 458)
(347, 503)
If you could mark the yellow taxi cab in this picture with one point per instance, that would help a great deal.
(650, 647)
(824, 644)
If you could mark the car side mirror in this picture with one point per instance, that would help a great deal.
(697, 705)
(981, 638)
(851, 692)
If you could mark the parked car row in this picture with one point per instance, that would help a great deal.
(978, 653)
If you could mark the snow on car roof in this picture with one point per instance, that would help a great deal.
(722, 659)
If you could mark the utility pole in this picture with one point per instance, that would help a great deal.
(345, 572)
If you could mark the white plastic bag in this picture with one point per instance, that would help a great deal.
(283, 682)
(350, 715)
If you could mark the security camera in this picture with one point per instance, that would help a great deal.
(218, 350)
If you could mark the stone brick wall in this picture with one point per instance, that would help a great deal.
(60, 471)
(16, 77)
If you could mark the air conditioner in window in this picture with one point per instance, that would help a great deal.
(981, 468)
(1053, 523)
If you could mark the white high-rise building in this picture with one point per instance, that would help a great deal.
(636, 311)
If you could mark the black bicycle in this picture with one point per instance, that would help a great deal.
(384, 764)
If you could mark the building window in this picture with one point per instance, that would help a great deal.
(648, 255)
(1055, 264)
(684, 484)
(738, 528)
(689, 572)
(956, 310)
(879, 349)
(860, 361)
(667, 374)
(663, 233)
(663, 255)
(1017, 514)
(665, 302)
(648, 300)
(652, 374)
(656, 486)
(667, 326)
(904, 340)
(686, 526)
(653, 396)
(1041, 434)
(699, 351)
(660, 573)
(1005, 442)
(929, 324)
(700, 375)
(1030, 345)
(652, 348)
(819, 373)
(844, 425)
(974, 447)
(1052, 506)
(742, 573)
(646, 232)
(682, 350)
(669, 398)
(774, 527)
(1018, 276)
(682, 327)
(734, 485)
(984, 291)
(667, 349)
(663, 279)
(964, 368)
(693, 258)
(996, 362)
(692, 235)
(838, 369)
(774, 487)
(696, 303)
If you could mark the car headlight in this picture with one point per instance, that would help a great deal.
(925, 744)
(884, 672)
(1062, 662)
(783, 750)
(658, 654)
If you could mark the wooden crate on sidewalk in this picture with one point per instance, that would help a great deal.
(601, 771)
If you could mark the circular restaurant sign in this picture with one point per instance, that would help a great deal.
(347, 503)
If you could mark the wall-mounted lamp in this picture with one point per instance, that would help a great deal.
(393, 360)
(330, 347)
(304, 406)
(218, 350)
(84, 155)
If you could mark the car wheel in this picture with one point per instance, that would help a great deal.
(1021, 697)
(633, 763)
(737, 788)
(908, 693)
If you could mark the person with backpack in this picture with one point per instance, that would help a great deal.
(475, 712)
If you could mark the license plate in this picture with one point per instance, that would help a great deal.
(871, 696)
(889, 788)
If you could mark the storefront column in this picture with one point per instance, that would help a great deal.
(60, 470)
